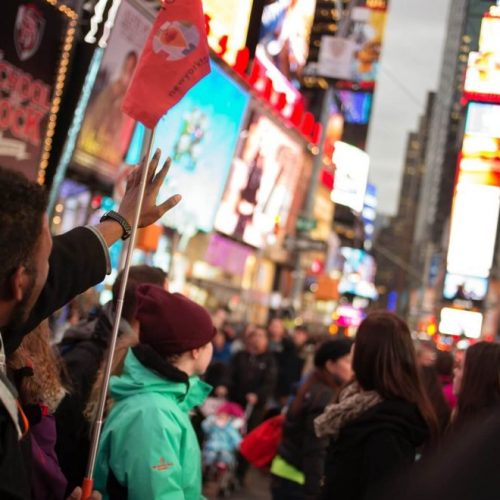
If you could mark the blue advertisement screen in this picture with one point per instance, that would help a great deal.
(200, 134)
(354, 106)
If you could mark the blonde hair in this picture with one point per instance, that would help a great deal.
(45, 385)
(123, 344)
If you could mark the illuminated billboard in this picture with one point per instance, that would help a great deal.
(483, 73)
(284, 34)
(355, 107)
(200, 134)
(358, 273)
(489, 38)
(356, 56)
(36, 42)
(262, 183)
(351, 175)
(483, 119)
(480, 159)
(228, 18)
(106, 131)
(473, 229)
(465, 288)
(459, 322)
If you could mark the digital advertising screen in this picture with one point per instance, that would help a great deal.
(473, 230)
(358, 275)
(480, 158)
(355, 107)
(31, 49)
(349, 316)
(483, 119)
(106, 131)
(483, 73)
(200, 134)
(228, 18)
(459, 322)
(351, 175)
(284, 34)
(465, 288)
(262, 183)
(489, 38)
(356, 56)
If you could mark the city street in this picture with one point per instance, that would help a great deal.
(240, 232)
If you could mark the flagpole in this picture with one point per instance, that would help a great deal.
(88, 482)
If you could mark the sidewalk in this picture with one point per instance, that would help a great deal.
(256, 488)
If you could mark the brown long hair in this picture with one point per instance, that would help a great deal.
(123, 344)
(317, 375)
(480, 389)
(45, 385)
(385, 361)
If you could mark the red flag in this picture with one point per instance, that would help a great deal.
(174, 59)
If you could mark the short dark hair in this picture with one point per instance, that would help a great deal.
(22, 205)
(137, 276)
(444, 363)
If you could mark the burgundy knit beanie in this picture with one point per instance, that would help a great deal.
(171, 323)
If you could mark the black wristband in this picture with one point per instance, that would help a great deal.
(112, 215)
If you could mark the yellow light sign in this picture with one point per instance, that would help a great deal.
(228, 18)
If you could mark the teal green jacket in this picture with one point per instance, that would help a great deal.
(148, 441)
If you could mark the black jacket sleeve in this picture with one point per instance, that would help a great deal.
(14, 483)
(313, 456)
(77, 262)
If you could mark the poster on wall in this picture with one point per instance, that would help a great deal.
(354, 57)
(200, 134)
(262, 183)
(106, 131)
(284, 34)
(30, 50)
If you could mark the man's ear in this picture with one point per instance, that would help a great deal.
(18, 283)
(195, 353)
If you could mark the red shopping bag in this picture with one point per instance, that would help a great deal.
(260, 446)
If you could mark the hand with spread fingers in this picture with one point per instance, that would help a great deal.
(150, 212)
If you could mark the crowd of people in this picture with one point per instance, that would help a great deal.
(378, 416)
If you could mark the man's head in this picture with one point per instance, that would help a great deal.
(277, 330)
(177, 328)
(138, 275)
(219, 317)
(300, 336)
(128, 66)
(257, 341)
(25, 246)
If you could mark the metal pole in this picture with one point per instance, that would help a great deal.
(88, 482)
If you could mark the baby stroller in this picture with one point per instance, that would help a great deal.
(223, 431)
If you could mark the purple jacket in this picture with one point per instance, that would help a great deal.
(47, 479)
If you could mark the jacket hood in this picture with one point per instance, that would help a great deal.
(96, 328)
(394, 415)
(137, 378)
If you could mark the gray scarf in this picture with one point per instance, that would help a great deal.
(353, 402)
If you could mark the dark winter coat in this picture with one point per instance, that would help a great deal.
(373, 448)
(252, 374)
(463, 469)
(300, 447)
(83, 349)
(289, 366)
(77, 262)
